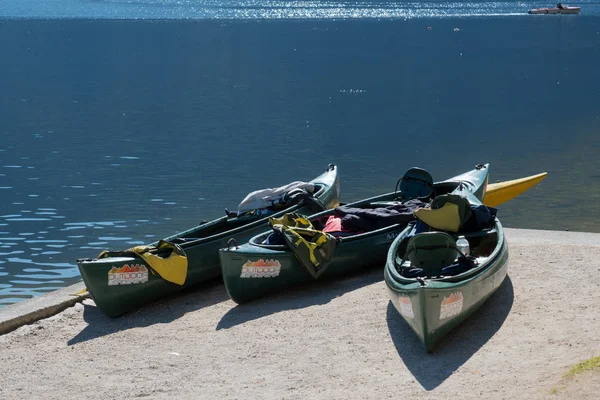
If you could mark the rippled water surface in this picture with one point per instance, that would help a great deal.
(120, 132)
(265, 9)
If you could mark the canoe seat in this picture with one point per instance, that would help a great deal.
(416, 184)
(431, 251)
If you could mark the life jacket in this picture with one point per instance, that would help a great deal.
(447, 212)
(312, 247)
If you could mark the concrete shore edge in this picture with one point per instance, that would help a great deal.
(47, 305)
(29, 311)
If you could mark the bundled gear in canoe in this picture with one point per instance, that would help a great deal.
(166, 260)
(453, 213)
(447, 212)
(365, 219)
(428, 242)
(265, 198)
(312, 247)
(433, 254)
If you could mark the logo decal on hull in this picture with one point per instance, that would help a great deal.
(451, 305)
(406, 308)
(260, 269)
(128, 275)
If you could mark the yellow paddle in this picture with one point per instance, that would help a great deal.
(501, 192)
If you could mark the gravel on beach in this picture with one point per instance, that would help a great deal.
(328, 340)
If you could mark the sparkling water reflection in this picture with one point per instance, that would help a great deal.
(265, 9)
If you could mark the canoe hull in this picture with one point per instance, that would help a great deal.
(115, 296)
(434, 309)
(499, 193)
(201, 245)
(283, 269)
(352, 254)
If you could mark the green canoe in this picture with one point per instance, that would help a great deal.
(435, 302)
(278, 267)
(122, 281)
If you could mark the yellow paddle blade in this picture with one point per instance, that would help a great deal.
(501, 192)
(80, 293)
(173, 268)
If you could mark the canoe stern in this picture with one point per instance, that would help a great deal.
(330, 181)
(447, 305)
(250, 271)
(432, 308)
(121, 284)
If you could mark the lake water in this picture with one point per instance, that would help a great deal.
(273, 9)
(124, 122)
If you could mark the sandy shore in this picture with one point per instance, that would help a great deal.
(337, 340)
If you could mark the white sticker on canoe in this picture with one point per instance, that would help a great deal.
(451, 305)
(260, 269)
(406, 308)
(128, 275)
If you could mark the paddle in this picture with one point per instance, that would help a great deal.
(501, 192)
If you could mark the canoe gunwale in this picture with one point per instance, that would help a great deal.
(341, 240)
(324, 189)
(241, 228)
(450, 185)
(326, 182)
(256, 240)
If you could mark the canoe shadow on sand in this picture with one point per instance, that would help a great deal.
(302, 296)
(430, 370)
(158, 312)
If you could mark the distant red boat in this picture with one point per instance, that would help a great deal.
(555, 10)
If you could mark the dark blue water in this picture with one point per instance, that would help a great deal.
(119, 132)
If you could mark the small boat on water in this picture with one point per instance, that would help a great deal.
(438, 276)
(121, 281)
(555, 10)
(259, 268)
